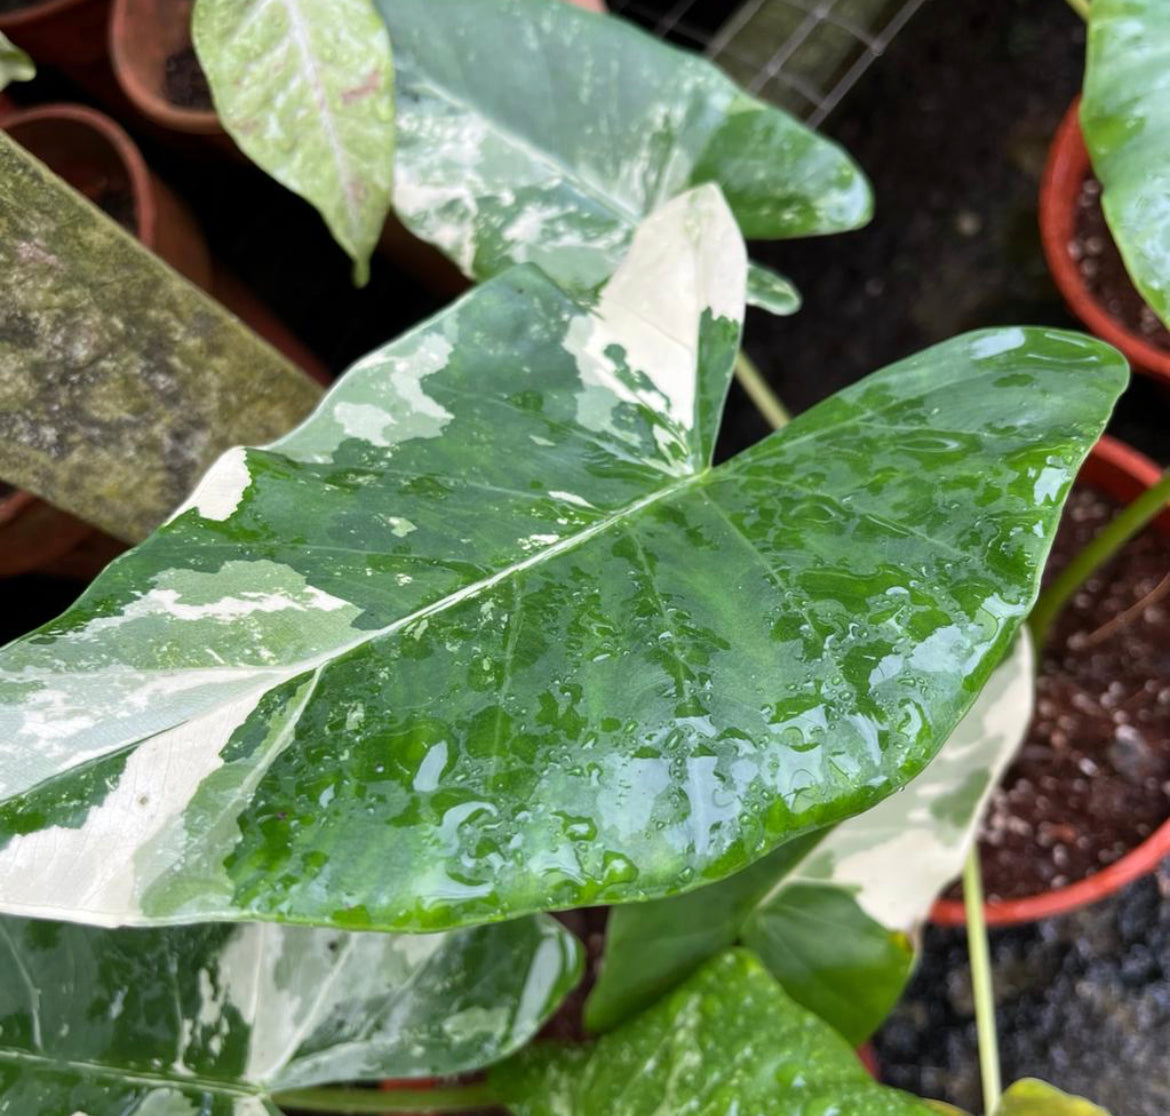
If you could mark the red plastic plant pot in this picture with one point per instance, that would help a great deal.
(1122, 473)
(143, 35)
(62, 33)
(1064, 173)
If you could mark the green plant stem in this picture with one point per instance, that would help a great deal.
(345, 1102)
(1108, 541)
(1081, 7)
(765, 399)
(981, 982)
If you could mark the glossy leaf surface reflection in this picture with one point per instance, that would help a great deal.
(488, 635)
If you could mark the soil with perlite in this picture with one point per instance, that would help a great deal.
(1092, 778)
(1099, 261)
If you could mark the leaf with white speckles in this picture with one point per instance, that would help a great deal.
(832, 915)
(488, 634)
(212, 1020)
(1126, 119)
(306, 88)
(15, 64)
(531, 131)
(727, 1041)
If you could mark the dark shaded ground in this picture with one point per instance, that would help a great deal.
(1084, 1002)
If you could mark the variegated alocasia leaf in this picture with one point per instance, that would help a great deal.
(532, 131)
(1125, 115)
(832, 915)
(15, 64)
(488, 634)
(727, 1041)
(215, 1019)
(306, 88)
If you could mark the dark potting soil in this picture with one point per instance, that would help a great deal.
(184, 82)
(1092, 779)
(1096, 255)
(118, 204)
(1082, 1001)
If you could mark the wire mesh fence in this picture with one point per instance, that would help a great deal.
(803, 55)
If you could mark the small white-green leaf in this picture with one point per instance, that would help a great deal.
(306, 88)
(772, 292)
(15, 64)
(832, 916)
(214, 1019)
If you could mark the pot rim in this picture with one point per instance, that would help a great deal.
(1065, 170)
(1121, 471)
(45, 9)
(137, 172)
(150, 101)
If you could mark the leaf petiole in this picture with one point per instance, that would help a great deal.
(981, 982)
(767, 402)
(1081, 7)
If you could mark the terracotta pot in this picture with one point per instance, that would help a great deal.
(61, 33)
(1122, 473)
(33, 533)
(143, 35)
(1065, 171)
(93, 154)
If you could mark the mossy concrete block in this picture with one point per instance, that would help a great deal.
(120, 382)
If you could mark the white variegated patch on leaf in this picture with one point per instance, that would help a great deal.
(833, 915)
(215, 1019)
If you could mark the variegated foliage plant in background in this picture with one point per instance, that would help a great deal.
(1125, 114)
(489, 635)
(527, 131)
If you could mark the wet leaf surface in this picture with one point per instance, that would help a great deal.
(488, 634)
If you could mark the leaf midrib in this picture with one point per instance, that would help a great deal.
(135, 1077)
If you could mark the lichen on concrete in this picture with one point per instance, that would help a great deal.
(120, 382)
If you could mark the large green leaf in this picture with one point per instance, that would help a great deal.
(533, 131)
(488, 634)
(212, 1020)
(832, 915)
(306, 88)
(15, 64)
(1126, 119)
(727, 1041)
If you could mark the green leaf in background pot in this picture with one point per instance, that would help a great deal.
(832, 915)
(531, 131)
(215, 1018)
(306, 88)
(1125, 115)
(771, 292)
(728, 1040)
(15, 65)
(1034, 1098)
(488, 634)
